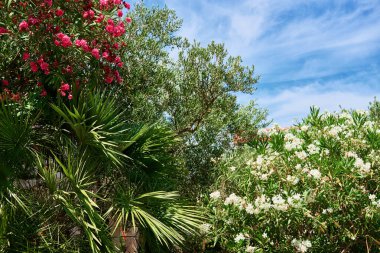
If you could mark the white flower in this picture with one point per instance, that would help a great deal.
(301, 245)
(372, 197)
(205, 228)
(239, 237)
(304, 128)
(292, 179)
(297, 196)
(259, 160)
(232, 199)
(265, 235)
(351, 154)
(312, 149)
(215, 195)
(334, 131)
(301, 155)
(315, 173)
(249, 209)
(250, 249)
(364, 168)
(232, 168)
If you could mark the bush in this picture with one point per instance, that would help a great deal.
(313, 187)
(51, 48)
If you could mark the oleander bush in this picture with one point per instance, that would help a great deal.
(313, 187)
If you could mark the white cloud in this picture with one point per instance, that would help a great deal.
(294, 103)
(312, 45)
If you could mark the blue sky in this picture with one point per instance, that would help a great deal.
(307, 52)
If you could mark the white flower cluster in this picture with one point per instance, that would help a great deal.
(334, 131)
(215, 195)
(301, 245)
(261, 167)
(292, 142)
(364, 168)
(295, 200)
(233, 199)
(251, 249)
(277, 202)
(313, 173)
(374, 202)
(239, 237)
(292, 179)
(313, 149)
(327, 210)
(301, 154)
(316, 174)
(304, 128)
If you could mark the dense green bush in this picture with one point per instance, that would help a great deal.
(313, 187)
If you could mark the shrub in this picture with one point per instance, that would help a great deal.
(51, 48)
(313, 187)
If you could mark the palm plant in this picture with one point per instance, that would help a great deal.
(84, 181)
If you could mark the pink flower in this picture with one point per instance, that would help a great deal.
(49, 2)
(105, 55)
(23, 26)
(3, 30)
(117, 59)
(65, 87)
(60, 35)
(43, 93)
(57, 43)
(63, 94)
(91, 14)
(34, 66)
(5, 82)
(117, 1)
(32, 20)
(127, 5)
(66, 41)
(85, 15)
(59, 12)
(119, 13)
(110, 28)
(44, 66)
(108, 79)
(78, 42)
(128, 19)
(100, 18)
(103, 2)
(25, 56)
(95, 53)
(70, 96)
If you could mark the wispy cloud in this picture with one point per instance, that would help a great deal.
(306, 51)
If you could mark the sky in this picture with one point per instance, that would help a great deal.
(307, 52)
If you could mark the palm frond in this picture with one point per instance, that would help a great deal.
(143, 211)
(18, 141)
(97, 124)
(150, 146)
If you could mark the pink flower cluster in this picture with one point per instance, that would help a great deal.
(57, 22)
(83, 44)
(115, 30)
(44, 66)
(65, 87)
(63, 40)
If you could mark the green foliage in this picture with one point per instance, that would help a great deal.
(374, 110)
(73, 189)
(312, 187)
